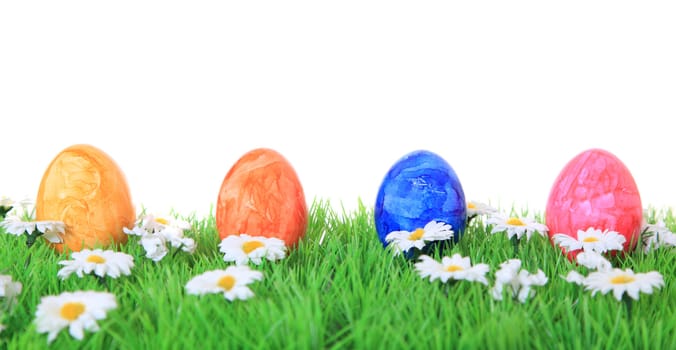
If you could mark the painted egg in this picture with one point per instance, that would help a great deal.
(595, 189)
(85, 189)
(262, 196)
(419, 188)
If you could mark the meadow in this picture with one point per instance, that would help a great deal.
(339, 289)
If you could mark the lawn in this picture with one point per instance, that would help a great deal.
(340, 289)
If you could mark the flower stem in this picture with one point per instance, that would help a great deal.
(515, 243)
(178, 249)
(628, 304)
(30, 239)
(4, 211)
(103, 281)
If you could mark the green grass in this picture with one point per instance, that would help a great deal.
(348, 293)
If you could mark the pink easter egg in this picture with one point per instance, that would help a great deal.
(595, 189)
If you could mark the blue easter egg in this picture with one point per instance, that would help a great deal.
(419, 188)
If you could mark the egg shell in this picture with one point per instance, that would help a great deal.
(418, 188)
(595, 189)
(261, 195)
(85, 189)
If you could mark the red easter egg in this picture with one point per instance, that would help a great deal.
(262, 196)
(595, 189)
(85, 189)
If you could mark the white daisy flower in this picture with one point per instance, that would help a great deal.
(518, 281)
(25, 209)
(136, 231)
(623, 281)
(455, 267)
(175, 237)
(78, 311)
(575, 277)
(405, 240)
(101, 262)
(244, 248)
(232, 282)
(155, 246)
(657, 235)
(591, 240)
(156, 231)
(475, 208)
(50, 230)
(593, 260)
(188, 245)
(5, 204)
(8, 288)
(155, 223)
(516, 226)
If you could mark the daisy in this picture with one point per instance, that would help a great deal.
(8, 288)
(518, 281)
(405, 240)
(158, 231)
(78, 311)
(232, 282)
(593, 260)
(102, 263)
(24, 209)
(188, 245)
(516, 226)
(136, 231)
(591, 240)
(6, 205)
(155, 246)
(623, 281)
(475, 208)
(244, 248)
(6, 202)
(175, 237)
(575, 277)
(657, 235)
(155, 223)
(455, 267)
(50, 230)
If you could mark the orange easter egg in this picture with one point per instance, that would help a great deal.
(262, 196)
(85, 189)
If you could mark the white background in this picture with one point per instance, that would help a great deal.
(176, 91)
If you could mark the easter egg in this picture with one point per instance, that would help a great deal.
(419, 188)
(85, 189)
(261, 195)
(595, 189)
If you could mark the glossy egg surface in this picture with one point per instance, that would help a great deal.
(595, 189)
(419, 188)
(261, 195)
(85, 189)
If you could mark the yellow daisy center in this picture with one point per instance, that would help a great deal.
(622, 279)
(162, 221)
(72, 310)
(416, 235)
(96, 259)
(250, 246)
(590, 239)
(515, 222)
(226, 282)
(471, 206)
(454, 268)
